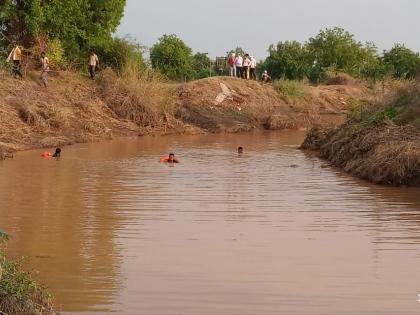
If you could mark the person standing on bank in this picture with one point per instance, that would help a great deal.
(239, 64)
(45, 68)
(253, 68)
(232, 64)
(93, 64)
(246, 67)
(16, 57)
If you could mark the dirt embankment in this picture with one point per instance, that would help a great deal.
(229, 104)
(380, 143)
(74, 109)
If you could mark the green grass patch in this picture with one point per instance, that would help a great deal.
(294, 90)
(20, 294)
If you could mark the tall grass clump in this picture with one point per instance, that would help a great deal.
(20, 294)
(138, 94)
(292, 89)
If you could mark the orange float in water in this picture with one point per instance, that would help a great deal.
(46, 154)
(165, 159)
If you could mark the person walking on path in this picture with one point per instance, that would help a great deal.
(232, 64)
(45, 68)
(93, 64)
(253, 68)
(239, 64)
(16, 57)
(246, 67)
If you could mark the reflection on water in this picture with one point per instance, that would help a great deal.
(270, 232)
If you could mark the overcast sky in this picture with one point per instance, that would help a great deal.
(216, 26)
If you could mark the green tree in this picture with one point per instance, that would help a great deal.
(338, 50)
(120, 52)
(172, 57)
(201, 65)
(83, 24)
(287, 60)
(375, 69)
(404, 62)
(78, 25)
(20, 20)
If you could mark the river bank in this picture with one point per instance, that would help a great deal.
(74, 109)
(380, 143)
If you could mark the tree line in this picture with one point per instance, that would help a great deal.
(69, 29)
(331, 50)
(336, 50)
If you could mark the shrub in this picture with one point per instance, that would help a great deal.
(172, 57)
(404, 62)
(119, 52)
(202, 65)
(20, 294)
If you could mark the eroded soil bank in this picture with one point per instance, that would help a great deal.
(74, 109)
(380, 143)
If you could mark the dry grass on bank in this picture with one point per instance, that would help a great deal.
(143, 97)
(380, 142)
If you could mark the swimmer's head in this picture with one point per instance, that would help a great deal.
(57, 152)
(240, 150)
(171, 157)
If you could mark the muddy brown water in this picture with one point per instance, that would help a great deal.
(109, 229)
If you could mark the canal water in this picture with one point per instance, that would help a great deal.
(275, 231)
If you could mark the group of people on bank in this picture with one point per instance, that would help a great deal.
(15, 58)
(239, 66)
(242, 66)
(245, 67)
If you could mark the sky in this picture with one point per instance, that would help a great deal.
(216, 26)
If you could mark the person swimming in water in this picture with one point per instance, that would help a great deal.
(240, 150)
(57, 152)
(169, 159)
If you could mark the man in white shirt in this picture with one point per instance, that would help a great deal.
(93, 63)
(239, 66)
(246, 66)
(253, 68)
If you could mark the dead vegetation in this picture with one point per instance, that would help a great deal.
(74, 109)
(380, 142)
(142, 97)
